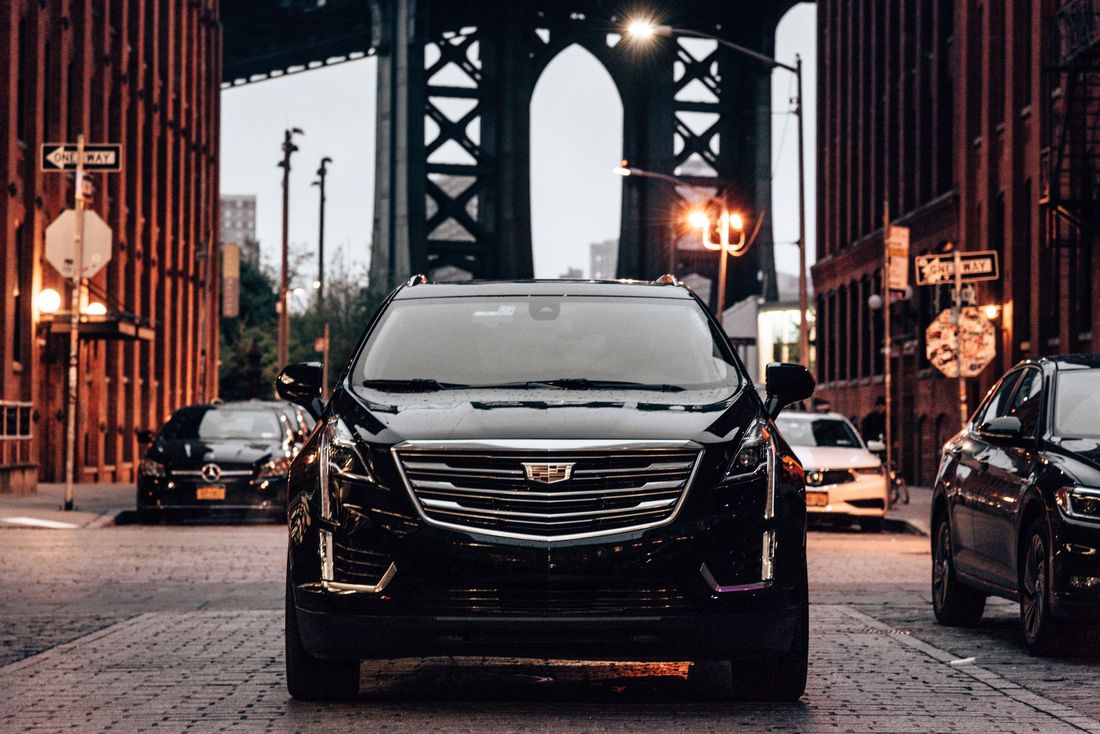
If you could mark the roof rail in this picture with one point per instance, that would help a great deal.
(667, 279)
(418, 279)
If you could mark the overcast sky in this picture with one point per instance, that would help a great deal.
(576, 138)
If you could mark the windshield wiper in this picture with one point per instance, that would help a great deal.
(416, 384)
(582, 383)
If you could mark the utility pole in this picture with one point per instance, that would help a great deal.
(74, 330)
(803, 322)
(284, 302)
(320, 183)
(887, 340)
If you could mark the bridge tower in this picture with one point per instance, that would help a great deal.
(452, 190)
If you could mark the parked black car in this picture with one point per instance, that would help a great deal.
(225, 459)
(554, 468)
(1016, 509)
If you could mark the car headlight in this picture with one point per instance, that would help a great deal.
(1079, 502)
(340, 459)
(274, 468)
(755, 457)
(151, 468)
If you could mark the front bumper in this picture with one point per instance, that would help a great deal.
(1076, 568)
(865, 497)
(245, 498)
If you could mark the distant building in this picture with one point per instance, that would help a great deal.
(572, 274)
(238, 224)
(603, 258)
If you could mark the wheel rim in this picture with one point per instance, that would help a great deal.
(941, 565)
(1034, 586)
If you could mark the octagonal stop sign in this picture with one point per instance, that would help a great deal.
(96, 243)
(978, 342)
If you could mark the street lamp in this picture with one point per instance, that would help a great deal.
(320, 184)
(284, 317)
(643, 30)
(727, 221)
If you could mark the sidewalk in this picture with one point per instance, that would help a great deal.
(915, 516)
(96, 505)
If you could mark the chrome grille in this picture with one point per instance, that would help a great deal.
(611, 486)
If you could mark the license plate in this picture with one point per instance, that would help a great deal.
(210, 493)
(817, 499)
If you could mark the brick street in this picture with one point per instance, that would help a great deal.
(180, 629)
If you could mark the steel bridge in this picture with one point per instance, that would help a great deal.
(455, 81)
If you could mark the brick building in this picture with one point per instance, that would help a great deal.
(977, 121)
(144, 74)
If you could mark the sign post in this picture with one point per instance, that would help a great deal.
(74, 329)
(957, 268)
(78, 157)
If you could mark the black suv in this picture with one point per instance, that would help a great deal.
(1016, 508)
(548, 468)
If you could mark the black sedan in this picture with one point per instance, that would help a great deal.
(227, 459)
(1016, 508)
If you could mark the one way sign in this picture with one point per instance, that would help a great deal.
(97, 157)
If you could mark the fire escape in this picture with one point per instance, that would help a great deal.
(1071, 158)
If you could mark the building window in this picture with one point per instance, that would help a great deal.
(1024, 40)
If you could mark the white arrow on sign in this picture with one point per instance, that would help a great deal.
(96, 243)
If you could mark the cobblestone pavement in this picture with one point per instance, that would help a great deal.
(180, 629)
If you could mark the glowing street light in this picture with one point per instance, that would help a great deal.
(991, 311)
(49, 300)
(643, 30)
(95, 308)
(698, 219)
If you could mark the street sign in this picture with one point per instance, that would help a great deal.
(897, 256)
(60, 243)
(940, 269)
(97, 157)
(979, 342)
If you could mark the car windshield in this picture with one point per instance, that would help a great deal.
(218, 424)
(829, 432)
(564, 342)
(1077, 404)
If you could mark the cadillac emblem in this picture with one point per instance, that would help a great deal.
(548, 473)
(211, 472)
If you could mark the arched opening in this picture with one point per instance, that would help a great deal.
(576, 140)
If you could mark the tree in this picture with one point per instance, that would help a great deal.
(349, 305)
(248, 343)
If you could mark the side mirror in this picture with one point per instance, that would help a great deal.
(300, 383)
(785, 384)
(876, 447)
(1007, 426)
(144, 435)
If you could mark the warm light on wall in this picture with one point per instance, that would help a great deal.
(49, 300)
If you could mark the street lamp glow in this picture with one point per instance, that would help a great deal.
(316, 284)
(95, 308)
(49, 300)
(991, 311)
(640, 29)
(621, 171)
(299, 292)
(736, 222)
(698, 219)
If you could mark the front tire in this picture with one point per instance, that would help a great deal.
(954, 604)
(310, 678)
(1042, 633)
(780, 679)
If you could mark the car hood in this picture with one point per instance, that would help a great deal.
(704, 416)
(189, 452)
(829, 457)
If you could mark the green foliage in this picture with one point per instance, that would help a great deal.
(348, 307)
(248, 344)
